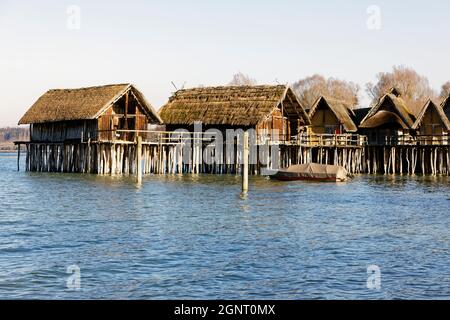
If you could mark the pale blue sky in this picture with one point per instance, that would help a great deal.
(152, 43)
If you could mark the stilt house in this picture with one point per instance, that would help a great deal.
(73, 115)
(389, 121)
(263, 108)
(329, 116)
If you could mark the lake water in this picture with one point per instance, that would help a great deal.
(196, 237)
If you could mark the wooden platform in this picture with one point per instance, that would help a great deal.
(169, 153)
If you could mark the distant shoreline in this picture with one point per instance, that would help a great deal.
(7, 147)
(10, 150)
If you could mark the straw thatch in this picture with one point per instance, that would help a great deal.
(232, 105)
(423, 111)
(340, 109)
(399, 114)
(383, 117)
(82, 104)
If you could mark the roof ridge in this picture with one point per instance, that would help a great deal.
(91, 87)
(259, 86)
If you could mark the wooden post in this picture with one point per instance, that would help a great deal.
(18, 157)
(125, 125)
(139, 159)
(113, 158)
(89, 156)
(245, 163)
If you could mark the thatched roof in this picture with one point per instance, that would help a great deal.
(82, 104)
(231, 105)
(341, 110)
(383, 117)
(423, 111)
(399, 114)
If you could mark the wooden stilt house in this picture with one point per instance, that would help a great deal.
(432, 125)
(73, 115)
(330, 116)
(263, 108)
(389, 121)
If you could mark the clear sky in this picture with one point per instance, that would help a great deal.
(151, 43)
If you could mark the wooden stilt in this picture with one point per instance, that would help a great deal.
(18, 157)
(245, 163)
(139, 159)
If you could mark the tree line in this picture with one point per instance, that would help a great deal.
(414, 88)
(13, 134)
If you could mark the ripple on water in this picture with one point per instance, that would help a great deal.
(196, 237)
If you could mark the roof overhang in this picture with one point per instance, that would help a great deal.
(382, 118)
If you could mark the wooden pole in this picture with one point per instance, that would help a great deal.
(245, 163)
(89, 156)
(139, 159)
(113, 159)
(18, 157)
(125, 125)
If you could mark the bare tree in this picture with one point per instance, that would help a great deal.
(240, 79)
(311, 88)
(445, 90)
(414, 88)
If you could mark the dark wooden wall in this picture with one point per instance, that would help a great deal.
(62, 131)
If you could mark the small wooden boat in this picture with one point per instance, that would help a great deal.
(312, 172)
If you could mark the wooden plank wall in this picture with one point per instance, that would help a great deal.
(61, 131)
(321, 119)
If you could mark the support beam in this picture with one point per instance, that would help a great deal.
(139, 160)
(125, 125)
(245, 163)
(18, 157)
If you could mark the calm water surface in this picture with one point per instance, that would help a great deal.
(196, 237)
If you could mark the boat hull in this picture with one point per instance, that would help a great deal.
(312, 172)
(285, 178)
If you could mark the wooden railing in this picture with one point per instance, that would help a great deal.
(408, 140)
(333, 140)
(148, 136)
(304, 140)
(171, 137)
(319, 140)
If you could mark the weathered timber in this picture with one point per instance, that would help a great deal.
(245, 163)
(195, 155)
